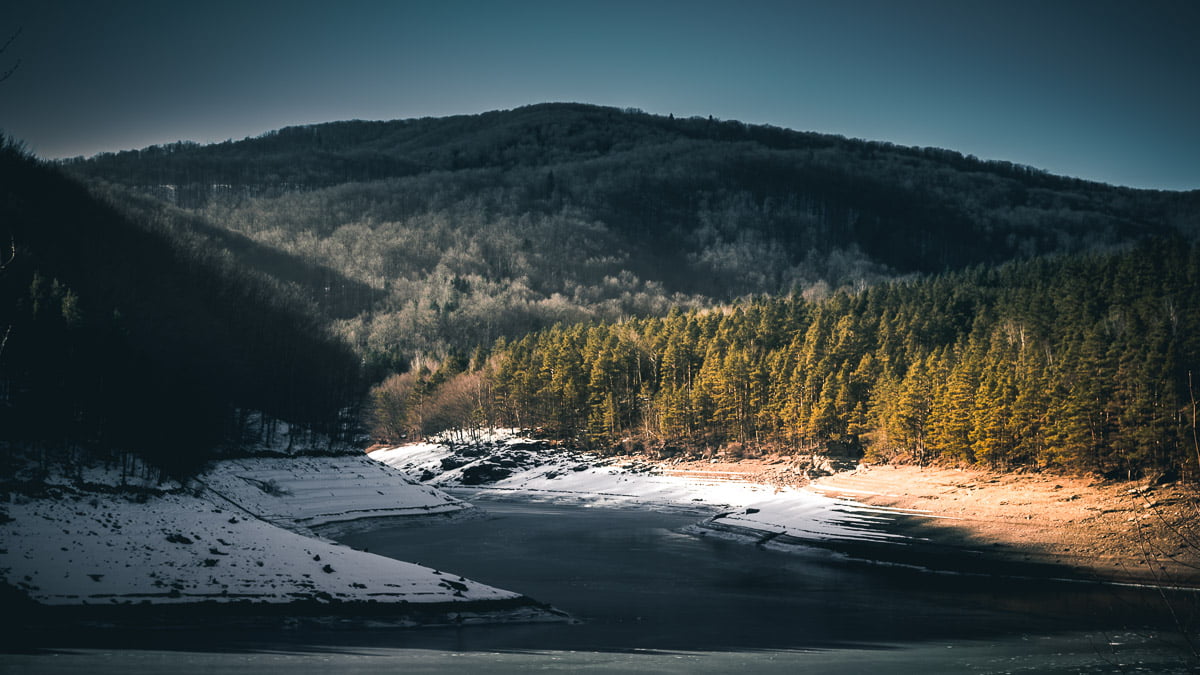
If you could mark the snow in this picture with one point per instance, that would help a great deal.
(107, 541)
(741, 508)
(244, 530)
(310, 492)
(177, 548)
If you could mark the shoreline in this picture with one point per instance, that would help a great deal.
(246, 547)
(1089, 530)
(1078, 528)
(933, 519)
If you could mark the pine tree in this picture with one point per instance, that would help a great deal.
(953, 406)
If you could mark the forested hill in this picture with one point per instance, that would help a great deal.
(1083, 363)
(140, 335)
(910, 301)
(451, 232)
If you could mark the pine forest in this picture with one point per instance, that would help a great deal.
(1077, 364)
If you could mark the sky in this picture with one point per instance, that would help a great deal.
(1101, 90)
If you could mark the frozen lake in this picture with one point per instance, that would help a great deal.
(648, 598)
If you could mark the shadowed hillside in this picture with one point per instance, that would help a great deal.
(467, 228)
(128, 334)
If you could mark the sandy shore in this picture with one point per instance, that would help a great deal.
(1113, 531)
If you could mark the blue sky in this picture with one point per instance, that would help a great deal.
(1107, 91)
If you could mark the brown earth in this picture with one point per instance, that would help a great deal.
(1132, 532)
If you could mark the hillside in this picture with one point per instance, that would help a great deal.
(138, 335)
(446, 233)
(1079, 364)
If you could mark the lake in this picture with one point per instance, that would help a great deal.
(648, 598)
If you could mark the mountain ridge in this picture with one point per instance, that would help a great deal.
(384, 137)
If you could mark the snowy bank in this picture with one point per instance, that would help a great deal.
(511, 467)
(97, 539)
(309, 492)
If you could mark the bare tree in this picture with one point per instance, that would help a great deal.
(394, 409)
(1195, 410)
(458, 406)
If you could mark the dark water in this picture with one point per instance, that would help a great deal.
(648, 598)
(635, 583)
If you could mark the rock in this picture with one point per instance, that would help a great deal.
(453, 462)
(454, 585)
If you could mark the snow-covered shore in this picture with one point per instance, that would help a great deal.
(312, 492)
(508, 467)
(249, 531)
(240, 533)
(862, 524)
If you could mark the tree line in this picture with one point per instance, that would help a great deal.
(1078, 363)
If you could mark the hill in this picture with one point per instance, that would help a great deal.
(147, 336)
(442, 234)
(1080, 364)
